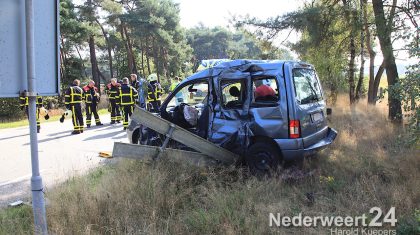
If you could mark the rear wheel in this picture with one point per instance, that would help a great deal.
(262, 158)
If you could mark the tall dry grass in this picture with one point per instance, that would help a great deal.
(368, 165)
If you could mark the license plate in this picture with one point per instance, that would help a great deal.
(316, 117)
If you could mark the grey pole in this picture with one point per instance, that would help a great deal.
(38, 203)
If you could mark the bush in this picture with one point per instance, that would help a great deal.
(9, 110)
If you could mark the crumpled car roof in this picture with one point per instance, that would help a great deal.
(241, 65)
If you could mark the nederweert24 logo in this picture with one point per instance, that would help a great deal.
(341, 225)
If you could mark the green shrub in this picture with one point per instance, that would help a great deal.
(9, 110)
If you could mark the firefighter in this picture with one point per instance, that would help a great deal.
(73, 101)
(154, 93)
(91, 98)
(113, 89)
(134, 82)
(128, 96)
(24, 104)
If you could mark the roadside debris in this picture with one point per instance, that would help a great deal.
(16, 203)
(105, 154)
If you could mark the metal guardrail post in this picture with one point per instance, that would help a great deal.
(38, 202)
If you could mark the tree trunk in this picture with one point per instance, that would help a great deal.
(117, 72)
(148, 65)
(81, 59)
(384, 35)
(63, 60)
(352, 48)
(376, 82)
(129, 57)
(372, 55)
(156, 59)
(130, 47)
(362, 57)
(164, 56)
(63, 69)
(108, 44)
(93, 61)
(142, 58)
(351, 70)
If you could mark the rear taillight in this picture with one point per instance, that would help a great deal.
(294, 129)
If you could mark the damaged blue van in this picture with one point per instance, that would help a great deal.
(266, 111)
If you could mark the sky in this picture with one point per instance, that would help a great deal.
(218, 12)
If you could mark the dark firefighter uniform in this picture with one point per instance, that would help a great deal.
(114, 97)
(154, 94)
(128, 96)
(73, 101)
(91, 98)
(24, 103)
(135, 84)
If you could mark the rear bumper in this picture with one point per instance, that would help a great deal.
(292, 149)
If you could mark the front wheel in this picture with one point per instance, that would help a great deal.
(262, 158)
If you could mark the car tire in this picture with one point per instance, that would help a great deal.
(262, 159)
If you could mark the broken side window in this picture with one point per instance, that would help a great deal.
(194, 94)
(265, 90)
(233, 94)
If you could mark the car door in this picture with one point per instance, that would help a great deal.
(229, 125)
(269, 112)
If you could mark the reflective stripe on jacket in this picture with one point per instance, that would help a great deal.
(154, 92)
(90, 95)
(128, 95)
(73, 95)
(113, 91)
(24, 101)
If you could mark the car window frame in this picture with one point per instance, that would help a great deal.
(242, 81)
(164, 106)
(262, 104)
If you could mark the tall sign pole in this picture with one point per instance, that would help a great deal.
(38, 202)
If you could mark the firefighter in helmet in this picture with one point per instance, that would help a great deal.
(154, 93)
(91, 98)
(128, 96)
(73, 100)
(24, 104)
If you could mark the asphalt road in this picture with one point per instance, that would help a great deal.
(61, 155)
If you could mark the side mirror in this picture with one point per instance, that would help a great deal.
(329, 111)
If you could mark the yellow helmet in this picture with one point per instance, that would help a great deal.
(152, 77)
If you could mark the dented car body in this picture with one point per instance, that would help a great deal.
(266, 112)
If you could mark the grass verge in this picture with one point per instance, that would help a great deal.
(369, 165)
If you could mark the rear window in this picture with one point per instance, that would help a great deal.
(307, 86)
